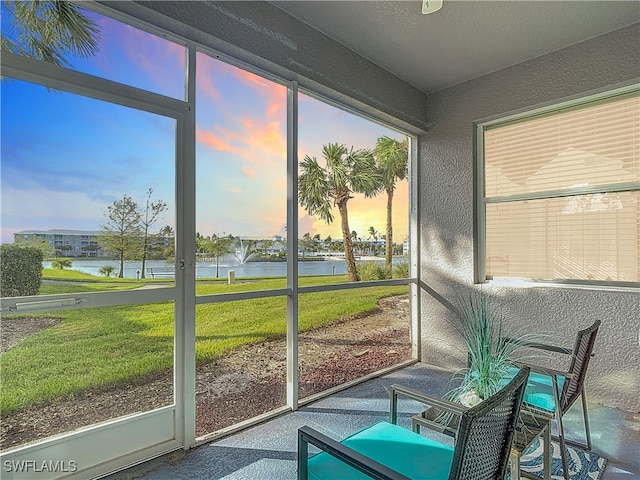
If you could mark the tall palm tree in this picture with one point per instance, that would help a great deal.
(392, 163)
(373, 235)
(49, 30)
(344, 173)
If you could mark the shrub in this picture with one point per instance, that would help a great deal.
(372, 271)
(107, 270)
(20, 270)
(61, 263)
(401, 270)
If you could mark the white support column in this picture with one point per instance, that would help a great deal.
(414, 249)
(185, 328)
(292, 246)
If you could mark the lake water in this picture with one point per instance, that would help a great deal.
(208, 269)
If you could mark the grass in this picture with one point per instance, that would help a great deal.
(103, 346)
(75, 276)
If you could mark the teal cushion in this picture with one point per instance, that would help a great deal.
(400, 449)
(539, 391)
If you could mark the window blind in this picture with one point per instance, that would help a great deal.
(562, 194)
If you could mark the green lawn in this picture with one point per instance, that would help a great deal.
(101, 346)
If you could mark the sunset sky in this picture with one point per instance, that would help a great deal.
(66, 158)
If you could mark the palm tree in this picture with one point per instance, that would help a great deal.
(216, 246)
(373, 235)
(392, 165)
(307, 243)
(50, 30)
(354, 238)
(320, 187)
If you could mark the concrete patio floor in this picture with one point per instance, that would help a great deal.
(268, 450)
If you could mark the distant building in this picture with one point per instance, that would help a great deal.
(70, 243)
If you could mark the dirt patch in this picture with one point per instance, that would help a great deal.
(245, 383)
(14, 330)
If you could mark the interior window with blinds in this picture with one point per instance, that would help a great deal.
(561, 194)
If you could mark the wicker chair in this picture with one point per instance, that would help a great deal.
(555, 391)
(388, 451)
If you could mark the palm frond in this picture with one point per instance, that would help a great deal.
(313, 188)
(50, 31)
(365, 177)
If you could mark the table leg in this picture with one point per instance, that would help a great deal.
(547, 452)
(515, 465)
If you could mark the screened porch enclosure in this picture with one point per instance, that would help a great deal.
(214, 111)
(179, 354)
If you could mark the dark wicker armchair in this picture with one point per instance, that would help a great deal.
(555, 391)
(388, 451)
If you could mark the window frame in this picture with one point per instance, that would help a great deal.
(481, 200)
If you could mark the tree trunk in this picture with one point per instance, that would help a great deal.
(144, 253)
(121, 272)
(349, 257)
(388, 250)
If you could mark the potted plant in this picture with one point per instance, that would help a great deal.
(490, 358)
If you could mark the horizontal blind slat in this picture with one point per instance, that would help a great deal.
(590, 237)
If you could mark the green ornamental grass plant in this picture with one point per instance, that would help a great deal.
(490, 358)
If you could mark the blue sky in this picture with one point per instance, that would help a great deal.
(66, 158)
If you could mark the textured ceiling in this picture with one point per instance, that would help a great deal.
(463, 40)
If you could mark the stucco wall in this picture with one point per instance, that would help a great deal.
(447, 205)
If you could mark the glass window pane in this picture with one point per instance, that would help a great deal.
(241, 360)
(590, 237)
(591, 146)
(571, 152)
(241, 174)
(123, 53)
(91, 184)
(347, 334)
(328, 133)
(64, 370)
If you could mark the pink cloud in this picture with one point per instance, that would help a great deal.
(248, 171)
(205, 73)
(206, 86)
(264, 137)
(210, 140)
(275, 94)
(255, 142)
(124, 48)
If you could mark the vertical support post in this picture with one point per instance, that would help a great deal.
(292, 246)
(184, 371)
(414, 250)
